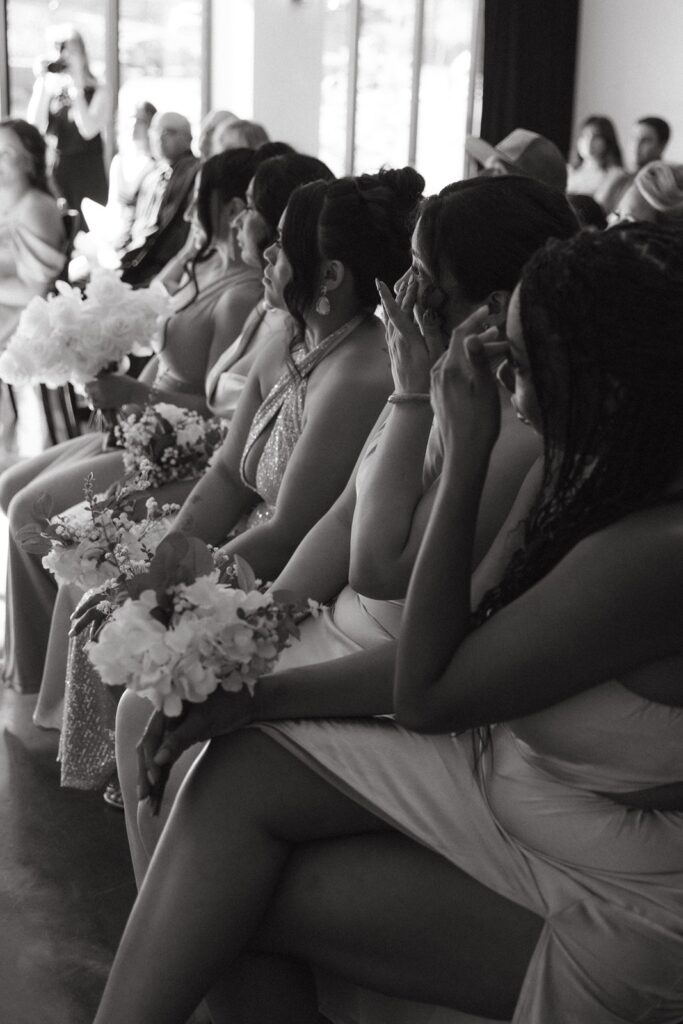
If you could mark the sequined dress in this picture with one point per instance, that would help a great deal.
(86, 749)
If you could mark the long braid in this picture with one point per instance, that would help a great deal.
(607, 365)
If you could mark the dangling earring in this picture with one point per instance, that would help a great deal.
(322, 306)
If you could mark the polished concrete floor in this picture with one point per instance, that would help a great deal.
(66, 885)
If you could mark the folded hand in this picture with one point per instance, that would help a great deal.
(165, 739)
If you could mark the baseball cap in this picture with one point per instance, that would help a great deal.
(524, 152)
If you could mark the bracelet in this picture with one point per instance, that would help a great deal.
(398, 397)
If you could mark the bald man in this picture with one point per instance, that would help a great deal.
(160, 229)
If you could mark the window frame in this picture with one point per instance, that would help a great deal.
(112, 66)
(473, 119)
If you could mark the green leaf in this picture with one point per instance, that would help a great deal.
(43, 506)
(31, 539)
(246, 577)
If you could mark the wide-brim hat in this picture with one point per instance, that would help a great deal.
(524, 152)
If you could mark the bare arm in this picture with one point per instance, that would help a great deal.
(39, 104)
(609, 606)
(319, 568)
(90, 118)
(218, 500)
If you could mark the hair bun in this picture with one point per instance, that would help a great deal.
(406, 184)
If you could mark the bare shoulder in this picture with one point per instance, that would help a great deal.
(651, 538)
(273, 353)
(636, 566)
(363, 357)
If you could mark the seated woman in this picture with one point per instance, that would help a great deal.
(32, 236)
(307, 407)
(269, 189)
(469, 247)
(173, 271)
(598, 169)
(656, 195)
(497, 848)
(209, 311)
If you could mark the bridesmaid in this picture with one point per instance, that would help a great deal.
(469, 247)
(254, 228)
(308, 404)
(512, 843)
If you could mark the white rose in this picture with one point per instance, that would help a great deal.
(36, 318)
(173, 413)
(107, 289)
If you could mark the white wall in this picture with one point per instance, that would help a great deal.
(267, 65)
(630, 65)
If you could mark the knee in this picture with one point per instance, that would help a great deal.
(12, 482)
(132, 716)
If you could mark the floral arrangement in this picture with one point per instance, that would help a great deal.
(179, 630)
(71, 338)
(98, 541)
(165, 442)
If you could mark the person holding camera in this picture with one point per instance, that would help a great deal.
(69, 104)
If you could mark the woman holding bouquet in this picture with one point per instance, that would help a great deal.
(308, 406)
(210, 306)
(469, 246)
(511, 846)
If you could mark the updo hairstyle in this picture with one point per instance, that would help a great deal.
(365, 222)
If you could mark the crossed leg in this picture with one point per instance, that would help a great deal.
(261, 853)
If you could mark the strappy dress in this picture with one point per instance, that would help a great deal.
(530, 821)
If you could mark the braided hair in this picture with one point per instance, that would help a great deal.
(601, 317)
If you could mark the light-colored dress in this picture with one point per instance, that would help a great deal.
(527, 822)
(60, 471)
(26, 256)
(605, 185)
(86, 747)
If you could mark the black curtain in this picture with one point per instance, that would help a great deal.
(529, 68)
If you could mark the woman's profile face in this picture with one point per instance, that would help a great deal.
(591, 145)
(278, 271)
(253, 231)
(443, 298)
(515, 372)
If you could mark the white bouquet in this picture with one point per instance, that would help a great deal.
(71, 338)
(166, 442)
(98, 541)
(179, 632)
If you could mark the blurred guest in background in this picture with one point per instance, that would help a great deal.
(598, 167)
(31, 231)
(656, 195)
(649, 139)
(161, 230)
(521, 152)
(207, 128)
(235, 134)
(69, 104)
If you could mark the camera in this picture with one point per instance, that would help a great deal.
(55, 67)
